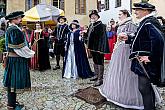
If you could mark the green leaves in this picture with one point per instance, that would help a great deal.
(2, 44)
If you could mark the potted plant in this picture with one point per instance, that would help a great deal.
(2, 47)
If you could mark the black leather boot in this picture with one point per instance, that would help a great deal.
(11, 100)
(100, 76)
(95, 72)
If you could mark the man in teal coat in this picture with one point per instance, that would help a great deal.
(16, 74)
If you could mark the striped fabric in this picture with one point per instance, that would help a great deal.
(17, 75)
(120, 84)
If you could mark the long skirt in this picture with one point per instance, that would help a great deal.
(120, 84)
(17, 75)
(111, 42)
(43, 55)
(70, 70)
(34, 60)
(40, 61)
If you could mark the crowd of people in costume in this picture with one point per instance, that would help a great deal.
(136, 54)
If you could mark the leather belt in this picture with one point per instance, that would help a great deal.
(12, 54)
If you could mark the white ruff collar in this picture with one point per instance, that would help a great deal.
(149, 15)
(125, 20)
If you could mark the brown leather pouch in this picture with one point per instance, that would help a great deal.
(5, 56)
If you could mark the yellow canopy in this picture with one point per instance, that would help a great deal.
(42, 13)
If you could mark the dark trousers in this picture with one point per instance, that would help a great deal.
(98, 58)
(11, 99)
(58, 60)
(147, 93)
(59, 50)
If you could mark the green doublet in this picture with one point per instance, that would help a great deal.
(16, 74)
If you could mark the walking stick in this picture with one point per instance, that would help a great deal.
(158, 97)
(141, 64)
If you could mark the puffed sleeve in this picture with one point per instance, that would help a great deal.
(131, 29)
(157, 43)
(16, 39)
(24, 52)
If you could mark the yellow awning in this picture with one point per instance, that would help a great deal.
(42, 13)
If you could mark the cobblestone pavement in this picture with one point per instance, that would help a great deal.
(51, 92)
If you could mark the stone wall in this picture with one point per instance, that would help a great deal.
(70, 11)
(15, 5)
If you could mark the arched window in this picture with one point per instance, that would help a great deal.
(80, 7)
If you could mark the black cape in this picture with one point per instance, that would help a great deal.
(97, 38)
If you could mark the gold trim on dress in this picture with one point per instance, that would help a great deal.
(16, 46)
(17, 90)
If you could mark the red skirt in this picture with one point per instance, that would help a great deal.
(111, 42)
(34, 60)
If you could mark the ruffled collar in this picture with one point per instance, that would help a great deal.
(62, 23)
(149, 15)
(125, 20)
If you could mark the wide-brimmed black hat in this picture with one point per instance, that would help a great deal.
(61, 17)
(75, 22)
(94, 12)
(144, 6)
(14, 15)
